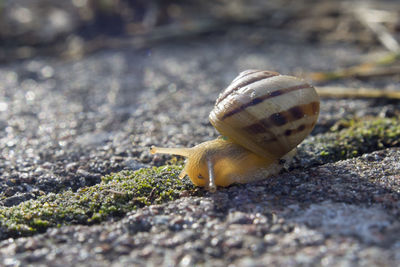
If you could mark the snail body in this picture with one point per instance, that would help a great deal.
(262, 116)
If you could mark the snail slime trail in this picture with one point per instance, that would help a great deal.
(263, 116)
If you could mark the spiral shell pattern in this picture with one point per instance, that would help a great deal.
(265, 112)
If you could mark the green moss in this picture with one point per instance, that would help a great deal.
(116, 195)
(355, 137)
(122, 192)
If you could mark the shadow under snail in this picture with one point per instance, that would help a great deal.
(262, 116)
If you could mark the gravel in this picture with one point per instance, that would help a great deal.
(64, 124)
(248, 225)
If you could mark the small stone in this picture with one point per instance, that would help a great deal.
(238, 217)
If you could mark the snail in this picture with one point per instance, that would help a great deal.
(262, 116)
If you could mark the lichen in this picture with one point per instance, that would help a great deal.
(348, 139)
(116, 195)
(122, 192)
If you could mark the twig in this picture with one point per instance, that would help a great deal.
(370, 19)
(361, 71)
(344, 92)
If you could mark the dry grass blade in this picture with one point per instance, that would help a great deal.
(345, 92)
(372, 19)
(361, 71)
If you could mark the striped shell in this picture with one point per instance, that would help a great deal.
(265, 112)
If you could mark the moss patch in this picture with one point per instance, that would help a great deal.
(122, 192)
(116, 195)
(355, 137)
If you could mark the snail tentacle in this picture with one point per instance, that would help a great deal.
(211, 176)
(263, 116)
(180, 151)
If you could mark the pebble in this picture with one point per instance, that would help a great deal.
(67, 123)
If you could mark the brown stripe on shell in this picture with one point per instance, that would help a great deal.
(315, 107)
(278, 119)
(289, 132)
(260, 99)
(283, 117)
(259, 127)
(296, 112)
(245, 73)
(258, 76)
(301, 128)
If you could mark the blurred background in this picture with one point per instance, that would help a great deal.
(73, 28)
(86, 81)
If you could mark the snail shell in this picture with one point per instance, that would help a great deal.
(263, 116)
(265, 112)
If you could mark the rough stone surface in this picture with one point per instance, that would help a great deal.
(64, 124)
(325, 217)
